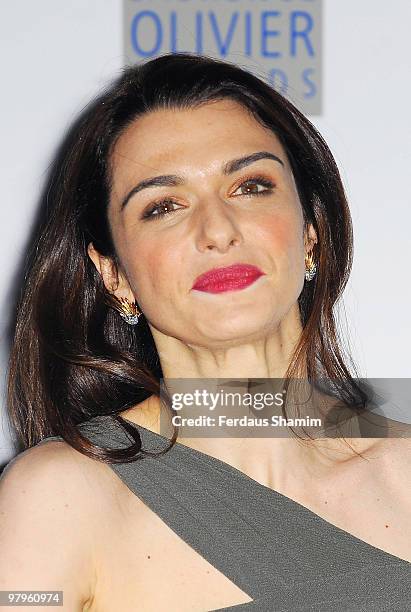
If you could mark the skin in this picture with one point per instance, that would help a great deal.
(213, 224)
(118, 551)
(249, 333)
(253, 330)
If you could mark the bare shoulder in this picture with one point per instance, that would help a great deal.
(50, 496)
(57, 478)
(52, 467)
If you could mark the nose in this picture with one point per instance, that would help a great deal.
(217, 229)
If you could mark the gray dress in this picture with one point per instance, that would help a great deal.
(283, 555)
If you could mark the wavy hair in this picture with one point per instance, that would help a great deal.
(72, 357)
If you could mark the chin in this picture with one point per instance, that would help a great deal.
(225, 330)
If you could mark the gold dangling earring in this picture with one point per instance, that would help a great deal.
(310, 266)
(126, 309)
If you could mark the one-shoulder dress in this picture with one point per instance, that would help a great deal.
(283, 555)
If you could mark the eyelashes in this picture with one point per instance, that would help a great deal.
(268, 185)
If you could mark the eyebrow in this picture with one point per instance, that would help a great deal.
(172, 180)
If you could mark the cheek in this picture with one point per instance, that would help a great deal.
(283, 237)
(152, 271)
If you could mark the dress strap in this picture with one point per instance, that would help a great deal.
(266, 543)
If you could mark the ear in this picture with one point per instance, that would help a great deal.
(114, 280)
(310, 237)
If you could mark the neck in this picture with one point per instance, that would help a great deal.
(267, 459)
(262, 354)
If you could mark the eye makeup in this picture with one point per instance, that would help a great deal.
(257, 179)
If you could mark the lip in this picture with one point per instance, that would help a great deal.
(229, 278)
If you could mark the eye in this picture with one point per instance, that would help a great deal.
(155, 212)
(151, 213)
(250, 185)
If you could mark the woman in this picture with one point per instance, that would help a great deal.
(183, 167)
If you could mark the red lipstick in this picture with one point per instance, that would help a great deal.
(230, 278)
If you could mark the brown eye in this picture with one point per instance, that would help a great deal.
(166, 207)
(157, 209)
(252, 186)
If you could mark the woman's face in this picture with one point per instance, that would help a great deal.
(215, 216)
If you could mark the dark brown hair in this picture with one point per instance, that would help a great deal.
(73, 358)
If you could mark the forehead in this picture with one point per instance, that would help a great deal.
(200, 138)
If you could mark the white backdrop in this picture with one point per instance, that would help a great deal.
(56, 55)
